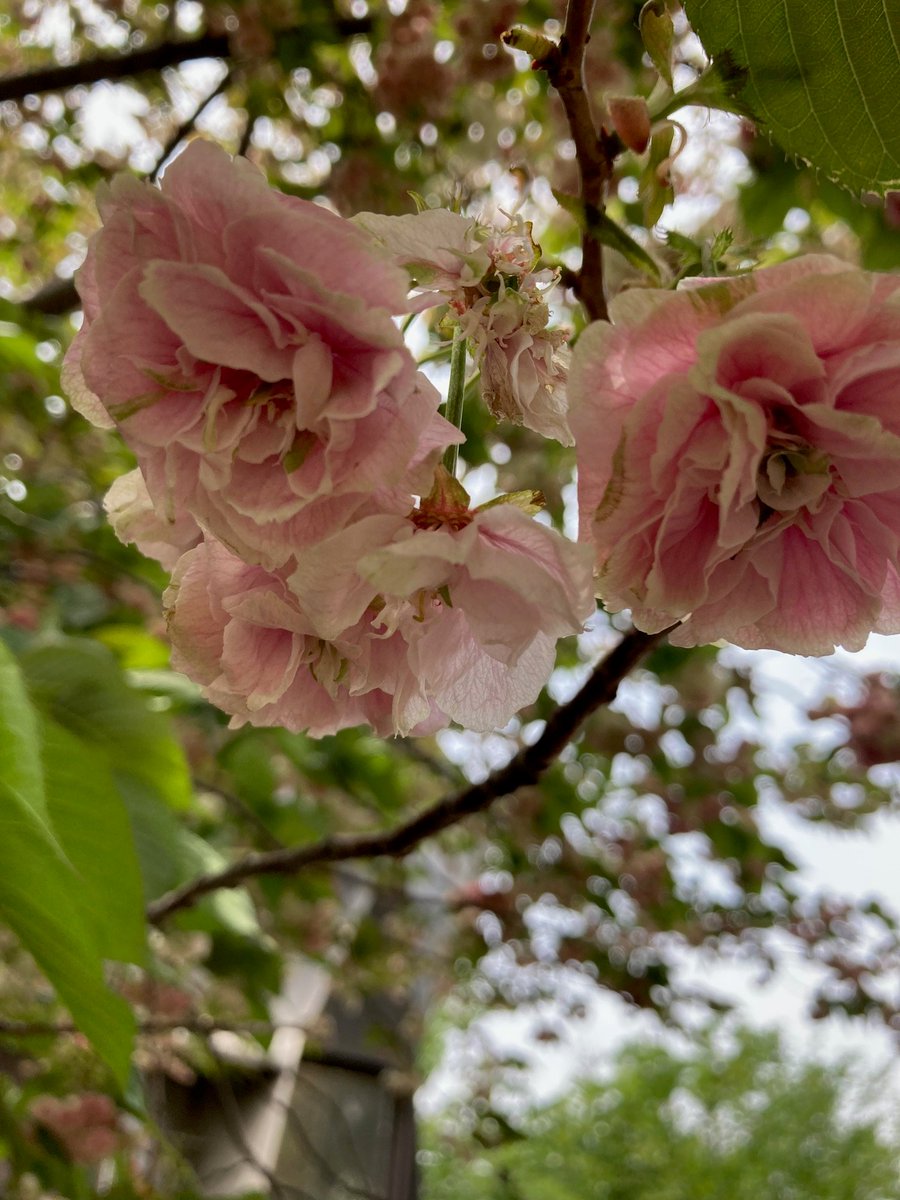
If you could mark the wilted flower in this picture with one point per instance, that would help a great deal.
(491, 281)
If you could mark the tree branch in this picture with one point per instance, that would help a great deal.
(564, 65)
(524, 769)
(196, 1023)
(138, 62)
(113, 66)
(56, 298)
(177, 136)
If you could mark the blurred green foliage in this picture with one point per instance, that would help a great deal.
(733, 1120)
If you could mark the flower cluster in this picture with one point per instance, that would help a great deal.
(491, 282)
(85, 1124)
(739, 456)
(244, 344)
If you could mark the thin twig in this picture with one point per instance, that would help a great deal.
(247, 135)
(524, 769)
(178, 135)
(197, 1023)
(564, 65)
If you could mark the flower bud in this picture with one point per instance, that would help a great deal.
(631, 120)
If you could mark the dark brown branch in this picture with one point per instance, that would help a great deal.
(177, 136)
(55, 298)
(139, 62)
(524, 769)
(565, 70)
(113, 66)
(198, 1023)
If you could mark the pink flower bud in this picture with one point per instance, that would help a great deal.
(631, 121)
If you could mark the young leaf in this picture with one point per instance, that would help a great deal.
(658, 36)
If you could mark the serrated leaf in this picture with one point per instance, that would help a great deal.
(822, 79)
(40, 898)
(722, 243)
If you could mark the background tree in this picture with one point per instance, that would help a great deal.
(574, 870)
(733, 1119)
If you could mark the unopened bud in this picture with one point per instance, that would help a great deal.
(538, 47)
(630, 119)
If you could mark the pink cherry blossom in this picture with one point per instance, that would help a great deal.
(85, 1124)
(238, 631)
(739, 456)
(135, 518)
(486, 602)
(243, 342)
(479, 597)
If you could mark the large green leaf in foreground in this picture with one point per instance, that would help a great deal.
(822, 76)
(40, 891)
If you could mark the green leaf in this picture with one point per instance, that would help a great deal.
(20, 755)
(822, 79)
(79, 684)
(171, 855)
(40, 895)
(93, 828)
(606, 231)
(658, 36)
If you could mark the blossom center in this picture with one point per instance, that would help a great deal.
(792, 475)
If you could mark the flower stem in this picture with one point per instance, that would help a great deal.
(455, 393)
